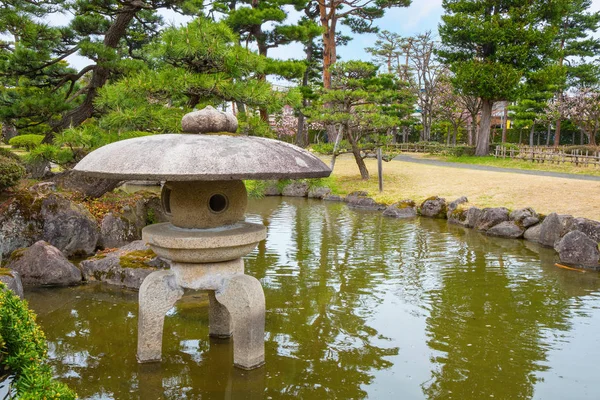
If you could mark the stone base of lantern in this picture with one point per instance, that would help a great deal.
(237, 308)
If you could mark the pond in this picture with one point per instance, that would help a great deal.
(358, 306)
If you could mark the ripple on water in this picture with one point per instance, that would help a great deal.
(358, 305)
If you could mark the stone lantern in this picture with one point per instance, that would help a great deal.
(205, 200)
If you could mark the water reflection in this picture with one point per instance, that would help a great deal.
(358, 306)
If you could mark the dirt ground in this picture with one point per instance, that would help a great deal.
(405, 180)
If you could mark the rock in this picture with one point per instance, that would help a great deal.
(506, 229)
(38, 169)
(533, 233)
(434, 207)
(127, 266)
(85, 184)
(553, 228)
(577, 248)
(453, 205)
(119, 229)
(20, 222)
(491, 217)
(272, 189)
(69, 226)
(360, 200)
(209, 120)
(43, 265)
(295, 189)
(402, 209)
(333, 197)
(587, 226)
(318, 192)
(467, 217)
(12, 280)
(525, 217)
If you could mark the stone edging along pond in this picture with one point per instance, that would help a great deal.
(43, 233)
(576, 240)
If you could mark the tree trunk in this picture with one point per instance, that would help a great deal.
(473, 130)
(531, 133)
(483, 138)
(557, 133)
(448, 137)
(548, 135)
(454, 136)
(300, 136)
(364, 173)
(592, 138)
(100, 73)
(504, 122)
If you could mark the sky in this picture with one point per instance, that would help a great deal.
(419, 17)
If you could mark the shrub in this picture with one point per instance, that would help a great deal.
(9, 154)
(27, 142)
(11, 171)
(24, 351)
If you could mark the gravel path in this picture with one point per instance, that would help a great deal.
(417, 160)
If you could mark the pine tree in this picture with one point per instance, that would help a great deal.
(490, 45)
(575, 25)
(362, 104)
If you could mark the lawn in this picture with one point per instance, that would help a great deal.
(404, 180)
(520, 164)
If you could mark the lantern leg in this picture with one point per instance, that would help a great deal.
(243, 297)
(219, 324)
(158, 294)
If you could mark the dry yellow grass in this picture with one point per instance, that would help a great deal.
(403, 180)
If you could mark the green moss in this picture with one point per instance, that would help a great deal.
(136, 259)
(459, 213)
(16, 255)
(406, 204)
(151, 217)
(5, 272)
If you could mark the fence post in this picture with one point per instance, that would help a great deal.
(380, 169)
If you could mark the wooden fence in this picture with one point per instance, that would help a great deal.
(553, 155)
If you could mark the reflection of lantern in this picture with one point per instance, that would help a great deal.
(205, 199)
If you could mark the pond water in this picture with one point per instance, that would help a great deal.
(358, 306)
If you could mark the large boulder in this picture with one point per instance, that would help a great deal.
(295, 189)
(43, 265)
(533, 233)
(402, 209)
(491, 217)
(577, 248)
(525, 217)
(127, 266)
(360, 199)
(209, 120)
(85, 184)
(467, 217)
(69, 226)
(12, 280)
(506, 229)
(20, 222)
(587, 226)
(434, 207)
(553, 228)
(124, 226)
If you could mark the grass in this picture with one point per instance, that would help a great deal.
(403, 180)
(520, 164)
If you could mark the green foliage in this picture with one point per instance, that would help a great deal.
(27, 142)
(327, 148)
(11, 171)
(6, 153)
(256, 189)
(253, 125)
(24, 351)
